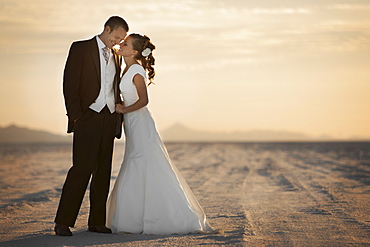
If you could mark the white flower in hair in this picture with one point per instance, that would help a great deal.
(146, 52)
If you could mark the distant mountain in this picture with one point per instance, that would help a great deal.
(15, 134)
(179, 132)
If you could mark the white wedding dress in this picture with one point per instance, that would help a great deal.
(150, 196)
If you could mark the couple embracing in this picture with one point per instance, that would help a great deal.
(149, 196)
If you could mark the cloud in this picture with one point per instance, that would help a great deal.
(280, 11)
(349, 6)
(189, 29)
(237, 62)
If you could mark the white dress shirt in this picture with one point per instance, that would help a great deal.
(108, 71)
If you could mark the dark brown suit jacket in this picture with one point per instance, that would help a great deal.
(81, 80)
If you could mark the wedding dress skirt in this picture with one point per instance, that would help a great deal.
(150, 196)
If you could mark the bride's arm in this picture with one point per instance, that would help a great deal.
(143, 100)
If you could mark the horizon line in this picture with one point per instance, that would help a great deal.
(309, 138)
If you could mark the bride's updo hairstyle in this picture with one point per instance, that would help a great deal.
(142, 43)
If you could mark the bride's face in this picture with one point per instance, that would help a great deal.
(126, 49)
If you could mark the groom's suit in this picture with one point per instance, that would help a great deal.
(94, 131)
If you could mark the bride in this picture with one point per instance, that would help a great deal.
(149, 196)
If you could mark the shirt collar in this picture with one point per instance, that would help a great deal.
(101, 45)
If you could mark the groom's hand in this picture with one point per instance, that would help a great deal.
(120, 107)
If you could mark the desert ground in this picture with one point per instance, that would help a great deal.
(257, 194)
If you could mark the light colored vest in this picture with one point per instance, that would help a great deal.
(106, 94)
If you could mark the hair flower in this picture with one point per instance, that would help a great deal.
(146, 52)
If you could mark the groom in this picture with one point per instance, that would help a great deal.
(90, 87)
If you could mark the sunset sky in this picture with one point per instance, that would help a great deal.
(293, 65)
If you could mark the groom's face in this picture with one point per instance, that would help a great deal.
(115, 36)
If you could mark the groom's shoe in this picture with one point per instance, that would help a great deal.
(100, 229)
(62, 230)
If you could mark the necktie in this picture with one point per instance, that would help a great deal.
(106, 54)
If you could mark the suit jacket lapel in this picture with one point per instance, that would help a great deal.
(117, 77)
(117, 92)
(96, 57)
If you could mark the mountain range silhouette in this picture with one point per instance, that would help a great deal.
(177, 132)
(16, 134)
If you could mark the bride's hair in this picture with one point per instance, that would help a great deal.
(140, 43)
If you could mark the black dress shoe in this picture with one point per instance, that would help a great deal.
(62, 230)
(100, 229)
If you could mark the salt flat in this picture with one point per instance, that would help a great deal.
(259, 194)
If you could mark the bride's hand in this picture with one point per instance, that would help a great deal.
(120, 108)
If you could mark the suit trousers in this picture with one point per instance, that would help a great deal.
(93, 140)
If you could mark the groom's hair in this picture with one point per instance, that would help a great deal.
(115, 22)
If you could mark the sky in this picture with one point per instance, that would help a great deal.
(236, 65)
